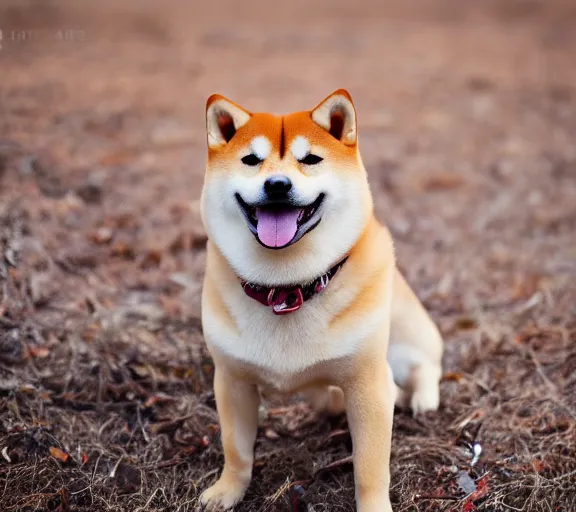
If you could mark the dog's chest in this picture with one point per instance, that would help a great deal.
(282, 346)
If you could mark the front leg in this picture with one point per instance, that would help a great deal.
(237, 402)
(370, 408)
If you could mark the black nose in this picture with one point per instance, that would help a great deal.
(277, 187)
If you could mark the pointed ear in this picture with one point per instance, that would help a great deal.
(337, 115)
(223, 119)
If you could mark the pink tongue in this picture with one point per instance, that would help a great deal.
(276, 228)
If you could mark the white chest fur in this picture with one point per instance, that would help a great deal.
(284, 345)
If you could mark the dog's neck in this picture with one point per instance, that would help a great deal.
(287, 299)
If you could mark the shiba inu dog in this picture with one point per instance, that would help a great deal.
(302, 292)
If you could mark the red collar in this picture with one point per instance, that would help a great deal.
(287, 299)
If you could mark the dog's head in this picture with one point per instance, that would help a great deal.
(284, 197)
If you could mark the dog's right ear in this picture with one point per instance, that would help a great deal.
(223, 119)
(337, 115)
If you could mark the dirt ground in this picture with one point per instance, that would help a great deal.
(467, 115)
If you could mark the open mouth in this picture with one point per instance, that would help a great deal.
(279, 224)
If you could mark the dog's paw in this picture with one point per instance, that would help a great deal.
(426, 388)
(424, 400)
(221, 496)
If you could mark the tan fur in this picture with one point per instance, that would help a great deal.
(343, 347)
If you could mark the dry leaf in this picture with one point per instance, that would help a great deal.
(123, 250)
(465, 323)
(482, 488)
(57, 453)
(40, 352)
(452, 377)
(151, 259)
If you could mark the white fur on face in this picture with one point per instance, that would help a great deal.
(300, 147)
(343, 219)
(261, 147)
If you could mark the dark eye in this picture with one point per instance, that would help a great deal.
(251, 160)
(311, 159)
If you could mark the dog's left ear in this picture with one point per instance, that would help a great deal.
(337, 115)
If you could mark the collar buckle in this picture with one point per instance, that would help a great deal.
(285, 300)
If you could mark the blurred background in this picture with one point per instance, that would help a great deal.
(467, 119)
